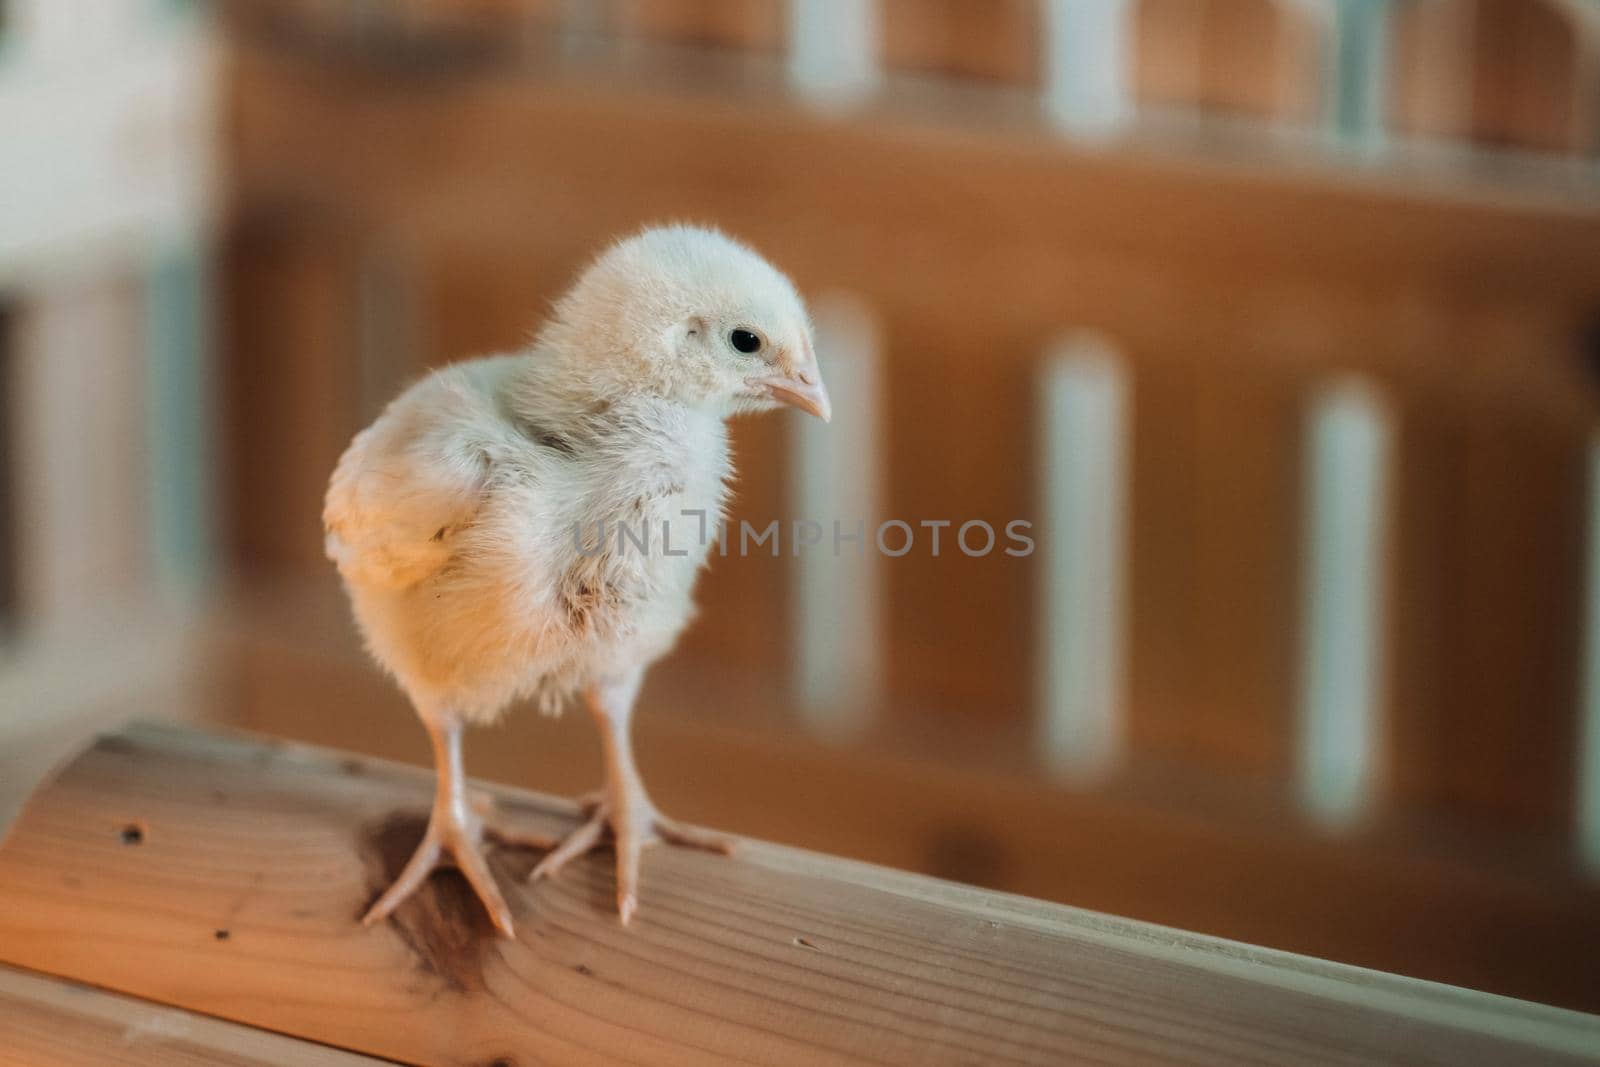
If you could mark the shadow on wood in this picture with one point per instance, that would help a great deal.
(225, 876)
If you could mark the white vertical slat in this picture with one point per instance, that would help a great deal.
(65, 33)
(1088, 48)
(10, 509)
(1347, 471)
(1082, 539)
(103, 149)
(1588, 792)
(833, 49)
(1358, 89)
(83, 545)
(179, 384)
(837, 478)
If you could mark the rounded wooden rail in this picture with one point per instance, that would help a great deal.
(224, 876)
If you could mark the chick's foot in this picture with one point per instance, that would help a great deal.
(631, 825)
(456, 836)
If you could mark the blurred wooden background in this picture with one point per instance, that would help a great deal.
(1261, 219)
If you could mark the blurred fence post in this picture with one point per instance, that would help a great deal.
(180, 383)
(1347, 470)
(1083, 544)
(78, 370)
(1359, 69)
(107, 197)
(1087, 50)
(833, 49)
(837, 471)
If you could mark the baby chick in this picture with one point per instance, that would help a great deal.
(488, 525)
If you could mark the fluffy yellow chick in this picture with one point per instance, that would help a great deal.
(477, 524)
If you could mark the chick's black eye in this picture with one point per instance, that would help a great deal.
(745, 341)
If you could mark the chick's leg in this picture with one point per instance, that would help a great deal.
(456, 829)
(622, 809)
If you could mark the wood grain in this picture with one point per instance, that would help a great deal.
(1467, 903)
(47, 1022)
(225, 876)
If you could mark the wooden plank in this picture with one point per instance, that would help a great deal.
(225, 876)
(291, 326)
(1214, 585)
(1436, 898)
(975, 211)
(51, 1023)
(1510, 617)
(1526, 64)
(477, 303)
(1430, 91)
(995, 42)
(1261, 58)
(747, 25)
(957, 628)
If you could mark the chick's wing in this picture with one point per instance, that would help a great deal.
(408, 482)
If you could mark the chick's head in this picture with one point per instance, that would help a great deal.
(693, 316)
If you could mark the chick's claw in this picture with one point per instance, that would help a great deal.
(573, 845)
(629, 835)
(457, 838)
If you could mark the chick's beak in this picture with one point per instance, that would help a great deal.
(801, 387)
